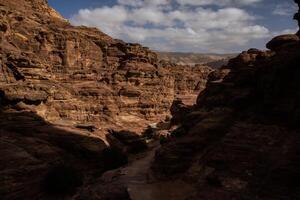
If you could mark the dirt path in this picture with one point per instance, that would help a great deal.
(142, 187)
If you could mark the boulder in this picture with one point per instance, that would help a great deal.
(126, 141)
(283, 40)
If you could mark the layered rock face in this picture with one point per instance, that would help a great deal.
(78, 75)
(39, 160)
(61, 88)
(213, 60)
(189, 81)
(242, 139)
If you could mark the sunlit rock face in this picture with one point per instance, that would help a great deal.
(76, 75)
(62, 87)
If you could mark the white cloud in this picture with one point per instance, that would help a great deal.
(217, 2)
(143, 3)
(285, 31)
(142, 16)
(161, 25)
(285, 9)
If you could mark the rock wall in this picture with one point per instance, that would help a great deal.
(61, 88)
(78, 75)
(241, 140)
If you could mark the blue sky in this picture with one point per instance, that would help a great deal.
(185, 25)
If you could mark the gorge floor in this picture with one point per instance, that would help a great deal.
(141, 184)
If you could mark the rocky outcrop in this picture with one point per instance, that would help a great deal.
(277, 43)
(126, 141)
(61, 88)
(212, 60)
(79, 75)
(241, 140)
(188, 80)
(33, 151)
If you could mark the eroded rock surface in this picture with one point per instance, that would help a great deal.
(241, 140)
(61, 88)
(79, 75)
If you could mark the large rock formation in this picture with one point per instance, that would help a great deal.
(242, 139)
(214, 60)
(79, 75)
(188, 80)
(61, 88)
(39, 159)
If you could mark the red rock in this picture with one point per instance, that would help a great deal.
(78, 71)
(283, 40)
(62, 87)
(244, 132)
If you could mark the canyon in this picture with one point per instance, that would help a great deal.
(86, 116)
(211, 60)
(78, 75)
(66, 92)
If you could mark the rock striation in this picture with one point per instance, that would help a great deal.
(62, 87)
(78, 75)
(212, 60)
(241, 140)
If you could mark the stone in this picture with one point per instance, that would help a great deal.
(179, 110)
(126, 141)
(3, 27)
(243, 134)
(283, 40)
(61, 88)
(84, 75)
(245, 121)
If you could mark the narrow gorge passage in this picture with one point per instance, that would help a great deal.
(140, 183)
(78, 108)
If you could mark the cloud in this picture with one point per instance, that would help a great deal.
(143, 3)
(285, 9)
(285, 31)
(217, 2)
(163, 25)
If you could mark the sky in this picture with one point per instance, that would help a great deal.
(203, 26)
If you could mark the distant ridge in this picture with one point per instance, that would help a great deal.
(211, 59)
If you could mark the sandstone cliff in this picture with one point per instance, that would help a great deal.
(62, 87)
(78, 75)
(212, 60)
(242, 139)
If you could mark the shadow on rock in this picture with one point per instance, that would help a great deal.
(126, 141)
(39, 160)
